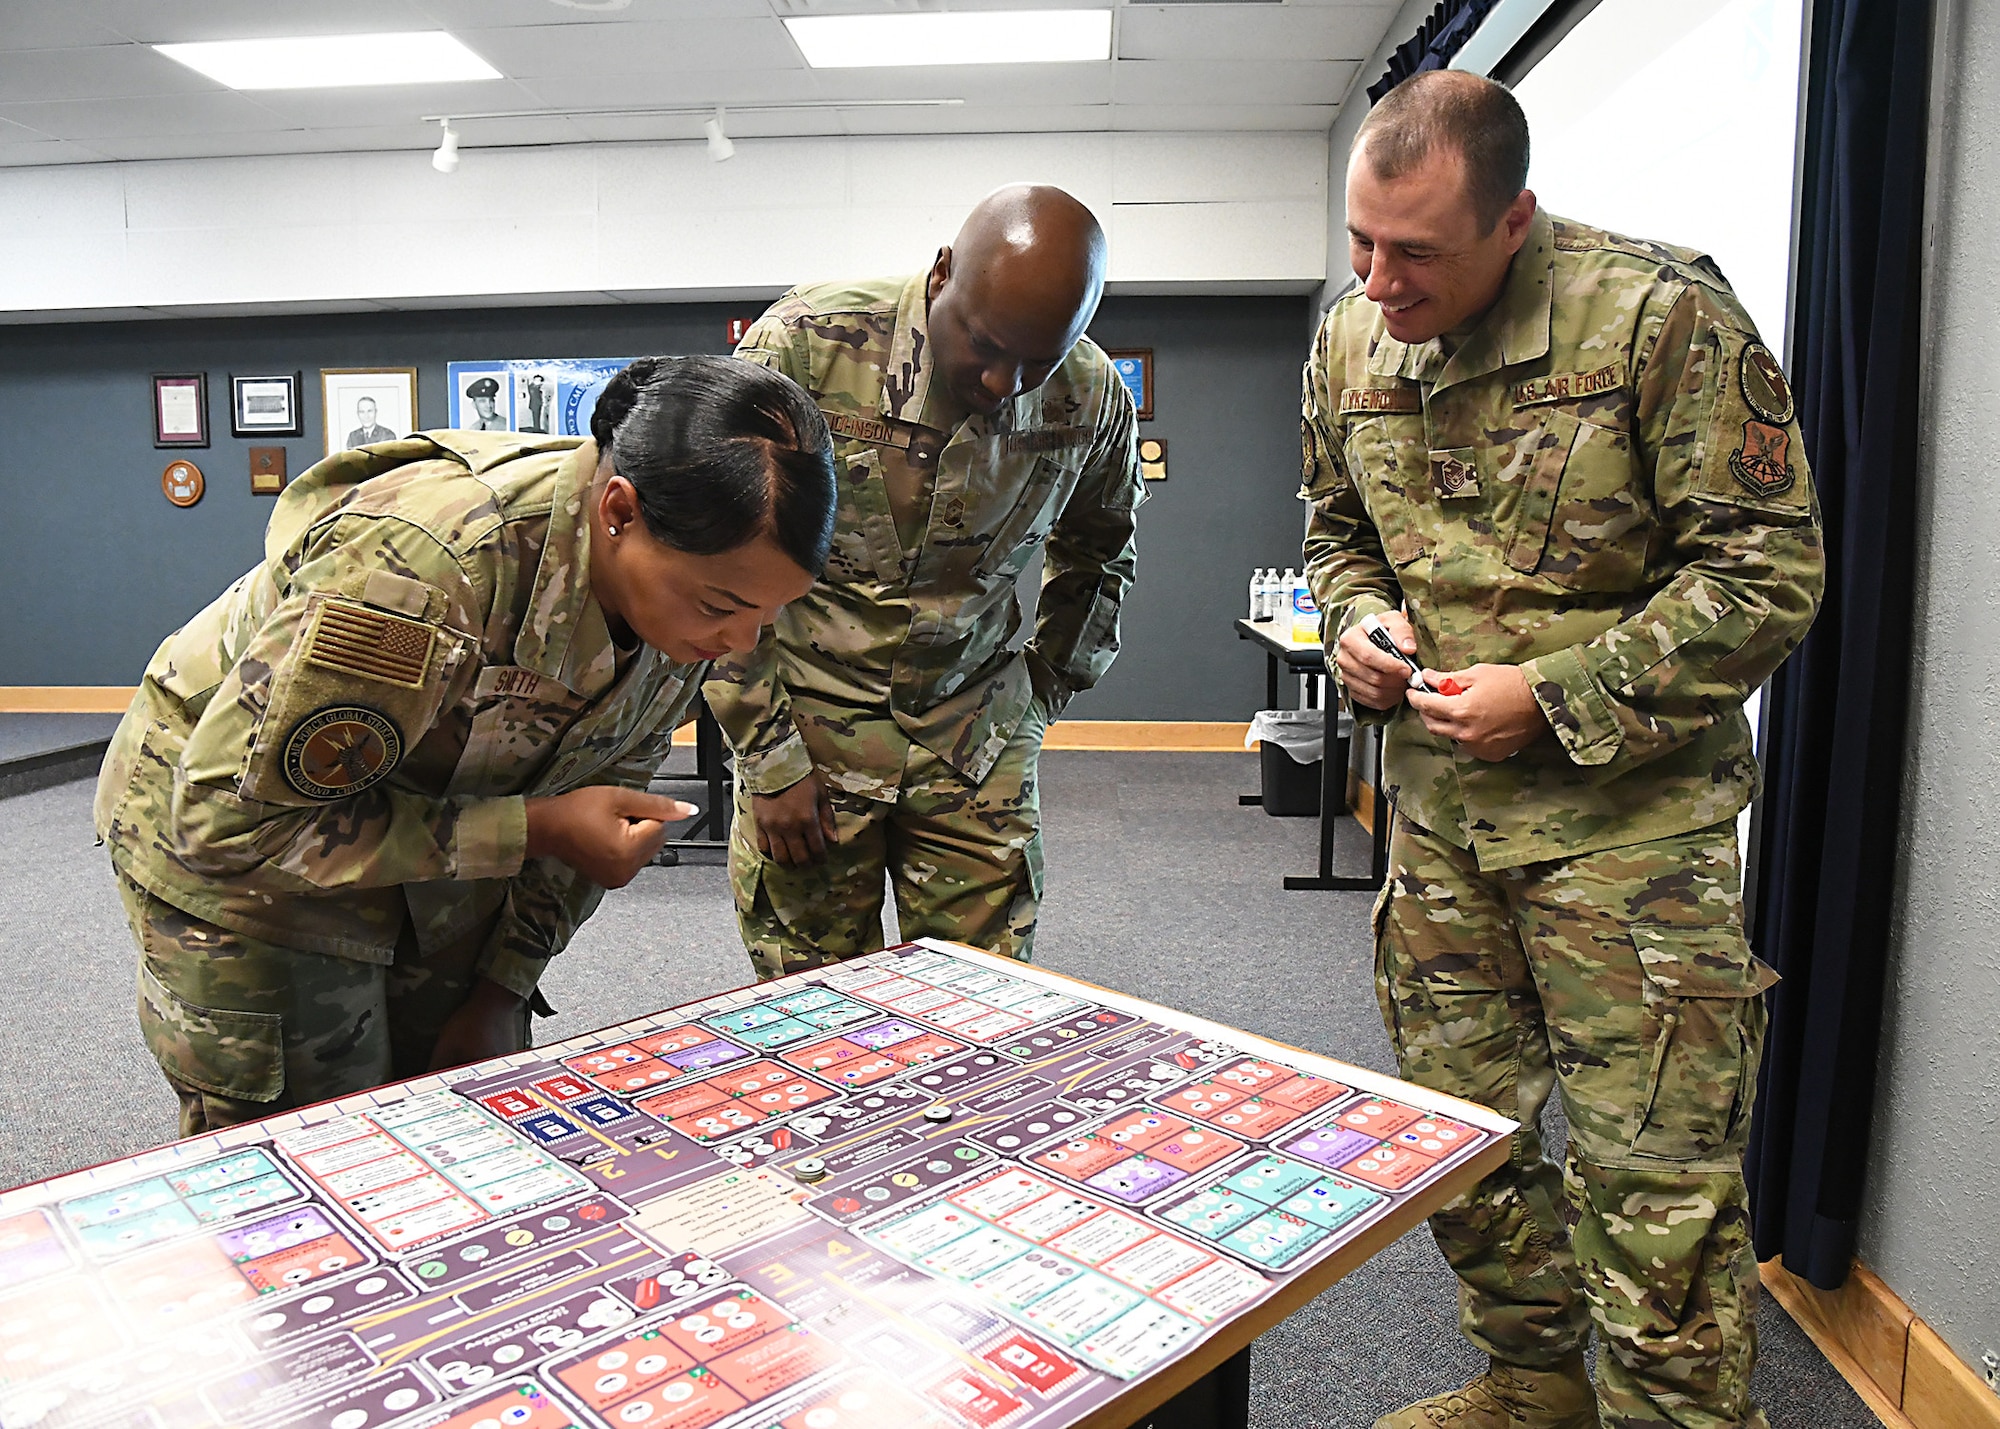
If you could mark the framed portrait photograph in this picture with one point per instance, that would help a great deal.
(180, 409)
(365, 405)
(1134, 366)
(266, 406)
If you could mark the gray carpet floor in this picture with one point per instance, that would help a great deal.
(1159, 885)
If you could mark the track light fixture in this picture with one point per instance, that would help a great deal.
(719, 146)
(446, 158)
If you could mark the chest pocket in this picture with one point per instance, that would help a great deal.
(1390, 458)
(1018, 530)
(518, 719)
(1581, 521)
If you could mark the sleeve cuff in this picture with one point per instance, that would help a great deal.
(1574, 707)
(491, 840)
(776, 768)
(517, 972)
(1349, 617)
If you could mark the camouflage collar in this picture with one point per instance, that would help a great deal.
(565, 635)
(1515, 329)
(906, 381)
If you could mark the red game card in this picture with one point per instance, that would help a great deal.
(1195, 1148)
(787, 1097)
(637, 1077)
(928, 1048)
(1204, 1099)
(1305, 1093)
(1435, 1137)
(752, 1077)
(294, 1266)
(678, 1039)
(689, 1401)
(605, 1059)
(775, 1363)
(1085, 1157)
(865, 1401)
(724, 1325)
(1253, 1118)
(510, 1103)
(522, 1406)
(682, 1101)
(1137, 1131)
(626, 1368)
(1377, 1117)
(724, 1119)
(1030, 1361)
(974, 1397)
(561, 1088)
(1251, 1075)
(1389, 1166)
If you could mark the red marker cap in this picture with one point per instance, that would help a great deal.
(1450, 686)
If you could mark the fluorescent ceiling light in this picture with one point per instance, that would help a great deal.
(985, 37)
(333, 61)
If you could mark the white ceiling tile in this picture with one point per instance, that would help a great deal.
(1019, 85)
(633, 48)
(156, 23)
(222, 113)
(1249, 32)
(632, 91)
(391, 104)
(47, 27)
(1230, 81)
(36, 152)
(463, 15)
(1307, 119)
(103, 72)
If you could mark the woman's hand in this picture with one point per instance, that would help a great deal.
(794, 825)
(604, 832)
(490, 1024)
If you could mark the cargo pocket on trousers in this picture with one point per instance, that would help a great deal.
(231, 1054)
(1704, 1030)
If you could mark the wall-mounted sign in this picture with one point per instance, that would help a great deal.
(738, 327)
(1134, 366)
(553, 396)
(182, 483)
(266, 406)
(267, 471)
(1153, 458)
(180, 409)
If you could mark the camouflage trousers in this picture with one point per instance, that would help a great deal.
(965, 860)
(1623, 978)
(245, 1029)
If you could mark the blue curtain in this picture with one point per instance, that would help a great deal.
(1439, 38)
(1827, 833)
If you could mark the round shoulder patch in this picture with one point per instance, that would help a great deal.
(339, 751)
(1764, 385)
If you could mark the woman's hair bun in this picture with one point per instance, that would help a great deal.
(620, 395)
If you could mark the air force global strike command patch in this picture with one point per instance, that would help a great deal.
(1762, 463)
(1764, 385)
(341, 750)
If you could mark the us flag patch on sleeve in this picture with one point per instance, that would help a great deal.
(368, 643)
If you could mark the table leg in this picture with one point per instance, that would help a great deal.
(1270, 703)
(711, 829)
(1220, 1399)
(1332, 808)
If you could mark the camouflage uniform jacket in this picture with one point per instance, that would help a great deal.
(346, 735)
(1604, 484)
(923, 633)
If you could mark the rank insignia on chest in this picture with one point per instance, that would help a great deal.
(341, 750)
(1762, 463)
(1453, 476)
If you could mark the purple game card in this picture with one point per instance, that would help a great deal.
(1136, 1179)
(280, 1232)
(708, 1054)
(885, 1034)
(1330, 1146)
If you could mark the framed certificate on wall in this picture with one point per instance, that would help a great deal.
(180, 409)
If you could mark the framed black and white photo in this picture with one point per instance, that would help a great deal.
(180, 409)
(1134, 366)
(366, 405)
(266, 406)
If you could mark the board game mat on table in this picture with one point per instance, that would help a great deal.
(920, 1188)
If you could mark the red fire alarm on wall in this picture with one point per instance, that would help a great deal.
(737, 327)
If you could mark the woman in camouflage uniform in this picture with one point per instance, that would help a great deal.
(361, 799)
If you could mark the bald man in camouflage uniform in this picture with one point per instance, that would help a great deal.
(1583, 498)
(316, 803)
(974, 425)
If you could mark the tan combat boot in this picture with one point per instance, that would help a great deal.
(1508, 1397)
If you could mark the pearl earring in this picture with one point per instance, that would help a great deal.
(613, 530)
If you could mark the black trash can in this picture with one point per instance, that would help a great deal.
(1291, 789)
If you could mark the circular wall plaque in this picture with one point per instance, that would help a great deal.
(182, 483)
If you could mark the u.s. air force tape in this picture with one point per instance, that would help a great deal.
(337, 752)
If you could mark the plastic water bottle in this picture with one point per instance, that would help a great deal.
(1267, 595)
(1256, 595)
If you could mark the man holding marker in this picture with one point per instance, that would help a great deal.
(1557, 469)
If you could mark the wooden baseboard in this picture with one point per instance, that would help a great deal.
(1156, 736)
(65, 699)
(1899, 1365)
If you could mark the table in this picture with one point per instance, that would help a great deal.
(709, 830)
(926, 1187)
(1304, 658)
